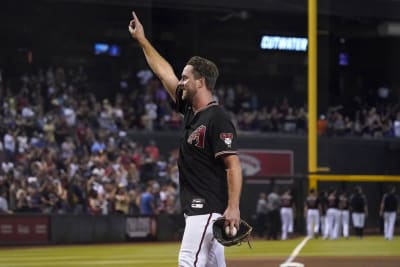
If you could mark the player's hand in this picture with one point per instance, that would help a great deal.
(136, 28)
(232, 217)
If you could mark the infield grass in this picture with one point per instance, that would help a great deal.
(165, 254)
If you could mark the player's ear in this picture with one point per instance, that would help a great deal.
(200, 82)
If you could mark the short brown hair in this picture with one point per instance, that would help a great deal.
(204, 68)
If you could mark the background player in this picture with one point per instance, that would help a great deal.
(388, 210)
(210, 174)
(332, 216)
(344, 213)
(312, 209)
(359, 211)
(287, 211)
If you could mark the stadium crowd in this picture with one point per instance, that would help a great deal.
(63, 150)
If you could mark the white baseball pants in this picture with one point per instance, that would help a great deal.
(389, 219)
(312, 222)
(287, 221)
(358, 219)
(199, 248)
(332, 223)
(344, 221)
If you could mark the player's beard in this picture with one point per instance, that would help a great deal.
(188, 94)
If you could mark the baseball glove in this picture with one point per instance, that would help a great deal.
(243, 233)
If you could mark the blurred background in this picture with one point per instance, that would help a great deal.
(357, 42)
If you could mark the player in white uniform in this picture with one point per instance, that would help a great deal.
(323, 200)
(344, 214)
(359, 211)
(332, 217)
(312, 209)
(388, 210)
(287, 211)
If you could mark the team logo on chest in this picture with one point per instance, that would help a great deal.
(227, 138)
(197, 136)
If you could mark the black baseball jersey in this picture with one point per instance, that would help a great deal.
(332, 201)
(286, 201)
(208, 135)
(358, 202)
(312, 202)
(343, 202)
(324, 204)
(389, 202)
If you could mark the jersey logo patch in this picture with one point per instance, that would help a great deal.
(197, 136)
(198, 203)
(227, 138)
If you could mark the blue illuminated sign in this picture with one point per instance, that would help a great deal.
(283, 43)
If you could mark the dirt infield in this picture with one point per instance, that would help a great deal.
(321, 262)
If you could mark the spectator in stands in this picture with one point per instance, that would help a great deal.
(348, 126)
(150, 115)
(152, 151)
(301, 120)
(147, 201)
(34, 195)
(263, 120)
(290, 121)
(338, 124)
(76, 195)
(95, 202)
(21, 196)
(49, 198)
(374, 123)
(122, 200)
(134, 202)
(396, 126)
(9, 144)
(4, 202)
(276, 119)
(322, 125)
(144, 75)
(98, 146)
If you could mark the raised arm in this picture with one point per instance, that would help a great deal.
(157, 63)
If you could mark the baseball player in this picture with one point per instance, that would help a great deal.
(359, 211)
(323, 200)
(344, 214)
(312, 209)
(388, 210)
(332, 217)
(287, 210)
(210, 174)
(273, 216)
(261, 214)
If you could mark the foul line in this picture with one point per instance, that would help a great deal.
(297, 250)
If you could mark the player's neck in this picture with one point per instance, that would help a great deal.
(202, 101)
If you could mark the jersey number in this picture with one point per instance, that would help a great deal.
(197, 136)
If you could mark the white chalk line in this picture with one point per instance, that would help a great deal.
(296, 251)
